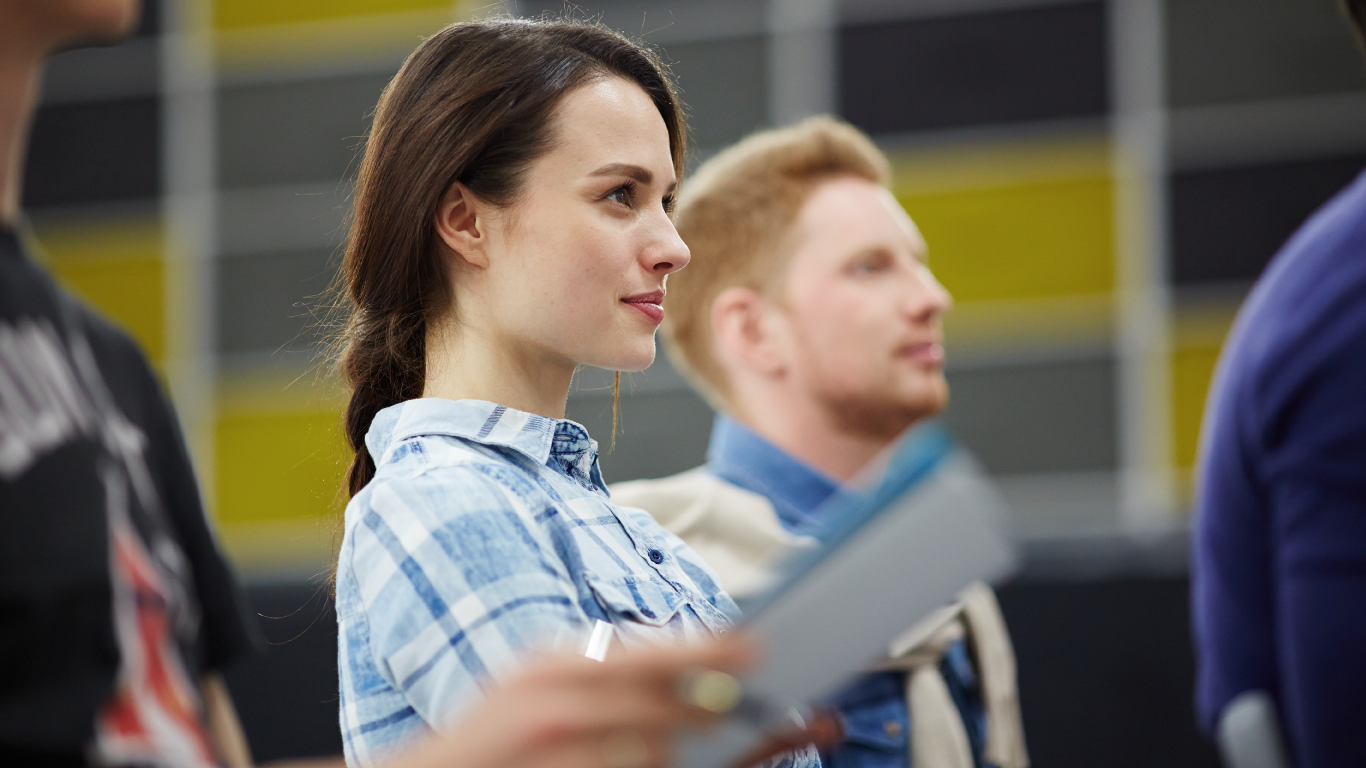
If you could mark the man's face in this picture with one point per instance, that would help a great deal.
(862, 310)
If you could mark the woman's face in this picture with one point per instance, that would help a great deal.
(576, 267)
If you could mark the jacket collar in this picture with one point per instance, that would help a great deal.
(740, 456)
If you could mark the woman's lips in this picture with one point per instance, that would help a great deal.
(648, 304)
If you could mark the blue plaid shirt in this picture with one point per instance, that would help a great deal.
(487, 532)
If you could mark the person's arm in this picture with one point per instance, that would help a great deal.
(1316, 477)
(224, 728)
(1232, 587)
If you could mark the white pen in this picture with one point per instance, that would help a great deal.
(599, 640)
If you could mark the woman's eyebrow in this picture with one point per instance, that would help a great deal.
(629, 170)
(639, 173)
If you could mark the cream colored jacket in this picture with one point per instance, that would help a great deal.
(739, 535)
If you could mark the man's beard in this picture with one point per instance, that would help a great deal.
(882, 415)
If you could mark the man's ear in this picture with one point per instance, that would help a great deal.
(742, 327)
(462, 223)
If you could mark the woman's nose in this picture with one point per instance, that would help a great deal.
(670, 253)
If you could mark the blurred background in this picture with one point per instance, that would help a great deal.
(1099, 183)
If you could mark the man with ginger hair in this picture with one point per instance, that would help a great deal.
(809, 319)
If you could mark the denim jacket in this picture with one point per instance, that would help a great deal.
(487, 532)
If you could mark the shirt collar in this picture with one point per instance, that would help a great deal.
(738, 455)
(538, 437)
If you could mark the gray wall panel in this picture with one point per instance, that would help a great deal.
(724, 84)
(289, 218)
(1241, 50)
(298, 131)
(1037, 417)
(660, 433)
(267, 301)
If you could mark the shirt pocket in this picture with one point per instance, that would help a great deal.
(641, 599)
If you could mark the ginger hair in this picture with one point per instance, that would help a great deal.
(735, 214)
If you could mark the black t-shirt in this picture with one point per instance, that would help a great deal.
(92, 461)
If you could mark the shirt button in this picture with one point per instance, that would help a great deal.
(892, 727)
(656, 556)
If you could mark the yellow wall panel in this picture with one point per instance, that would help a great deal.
(1191, 371)
(238, 14)
(278, 466)
(117, 267)
(1198, 335)
(1024, 240)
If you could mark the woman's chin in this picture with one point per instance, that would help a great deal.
(631, 360)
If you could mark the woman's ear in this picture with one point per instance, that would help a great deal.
(742, 328)
(462, 224)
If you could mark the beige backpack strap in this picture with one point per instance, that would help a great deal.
(995, 660)
(938, 738)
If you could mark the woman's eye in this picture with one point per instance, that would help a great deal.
(621, 196)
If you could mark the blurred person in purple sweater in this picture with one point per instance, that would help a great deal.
(1279, 556)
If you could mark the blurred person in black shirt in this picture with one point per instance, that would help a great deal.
(116, 607)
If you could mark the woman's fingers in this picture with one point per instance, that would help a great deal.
(571, 712)
(662, 664)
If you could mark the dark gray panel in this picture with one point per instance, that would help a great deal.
(286, 693)
(94, 152)
(724, 85)
(268, 302)
(978, 68)
(1038, 417)
(659, 20)
(104, 73)
(1242, 50)
(150, 21)
(659, 433)
(302, 131)
(1228, 223)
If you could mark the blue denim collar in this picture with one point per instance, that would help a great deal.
(537, 437)
(741, 457)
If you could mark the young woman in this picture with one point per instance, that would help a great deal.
(511, 223)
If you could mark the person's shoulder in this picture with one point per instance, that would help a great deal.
(1324, 258)
(1305, 304)
(687, 495)
(440, 478)
(123, 365)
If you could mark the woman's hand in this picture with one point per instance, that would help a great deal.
(571, 712)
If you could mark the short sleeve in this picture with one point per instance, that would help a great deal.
(229, 632)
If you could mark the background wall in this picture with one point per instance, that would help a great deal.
(1099, 182)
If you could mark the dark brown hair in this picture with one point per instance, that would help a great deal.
(474, 103)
